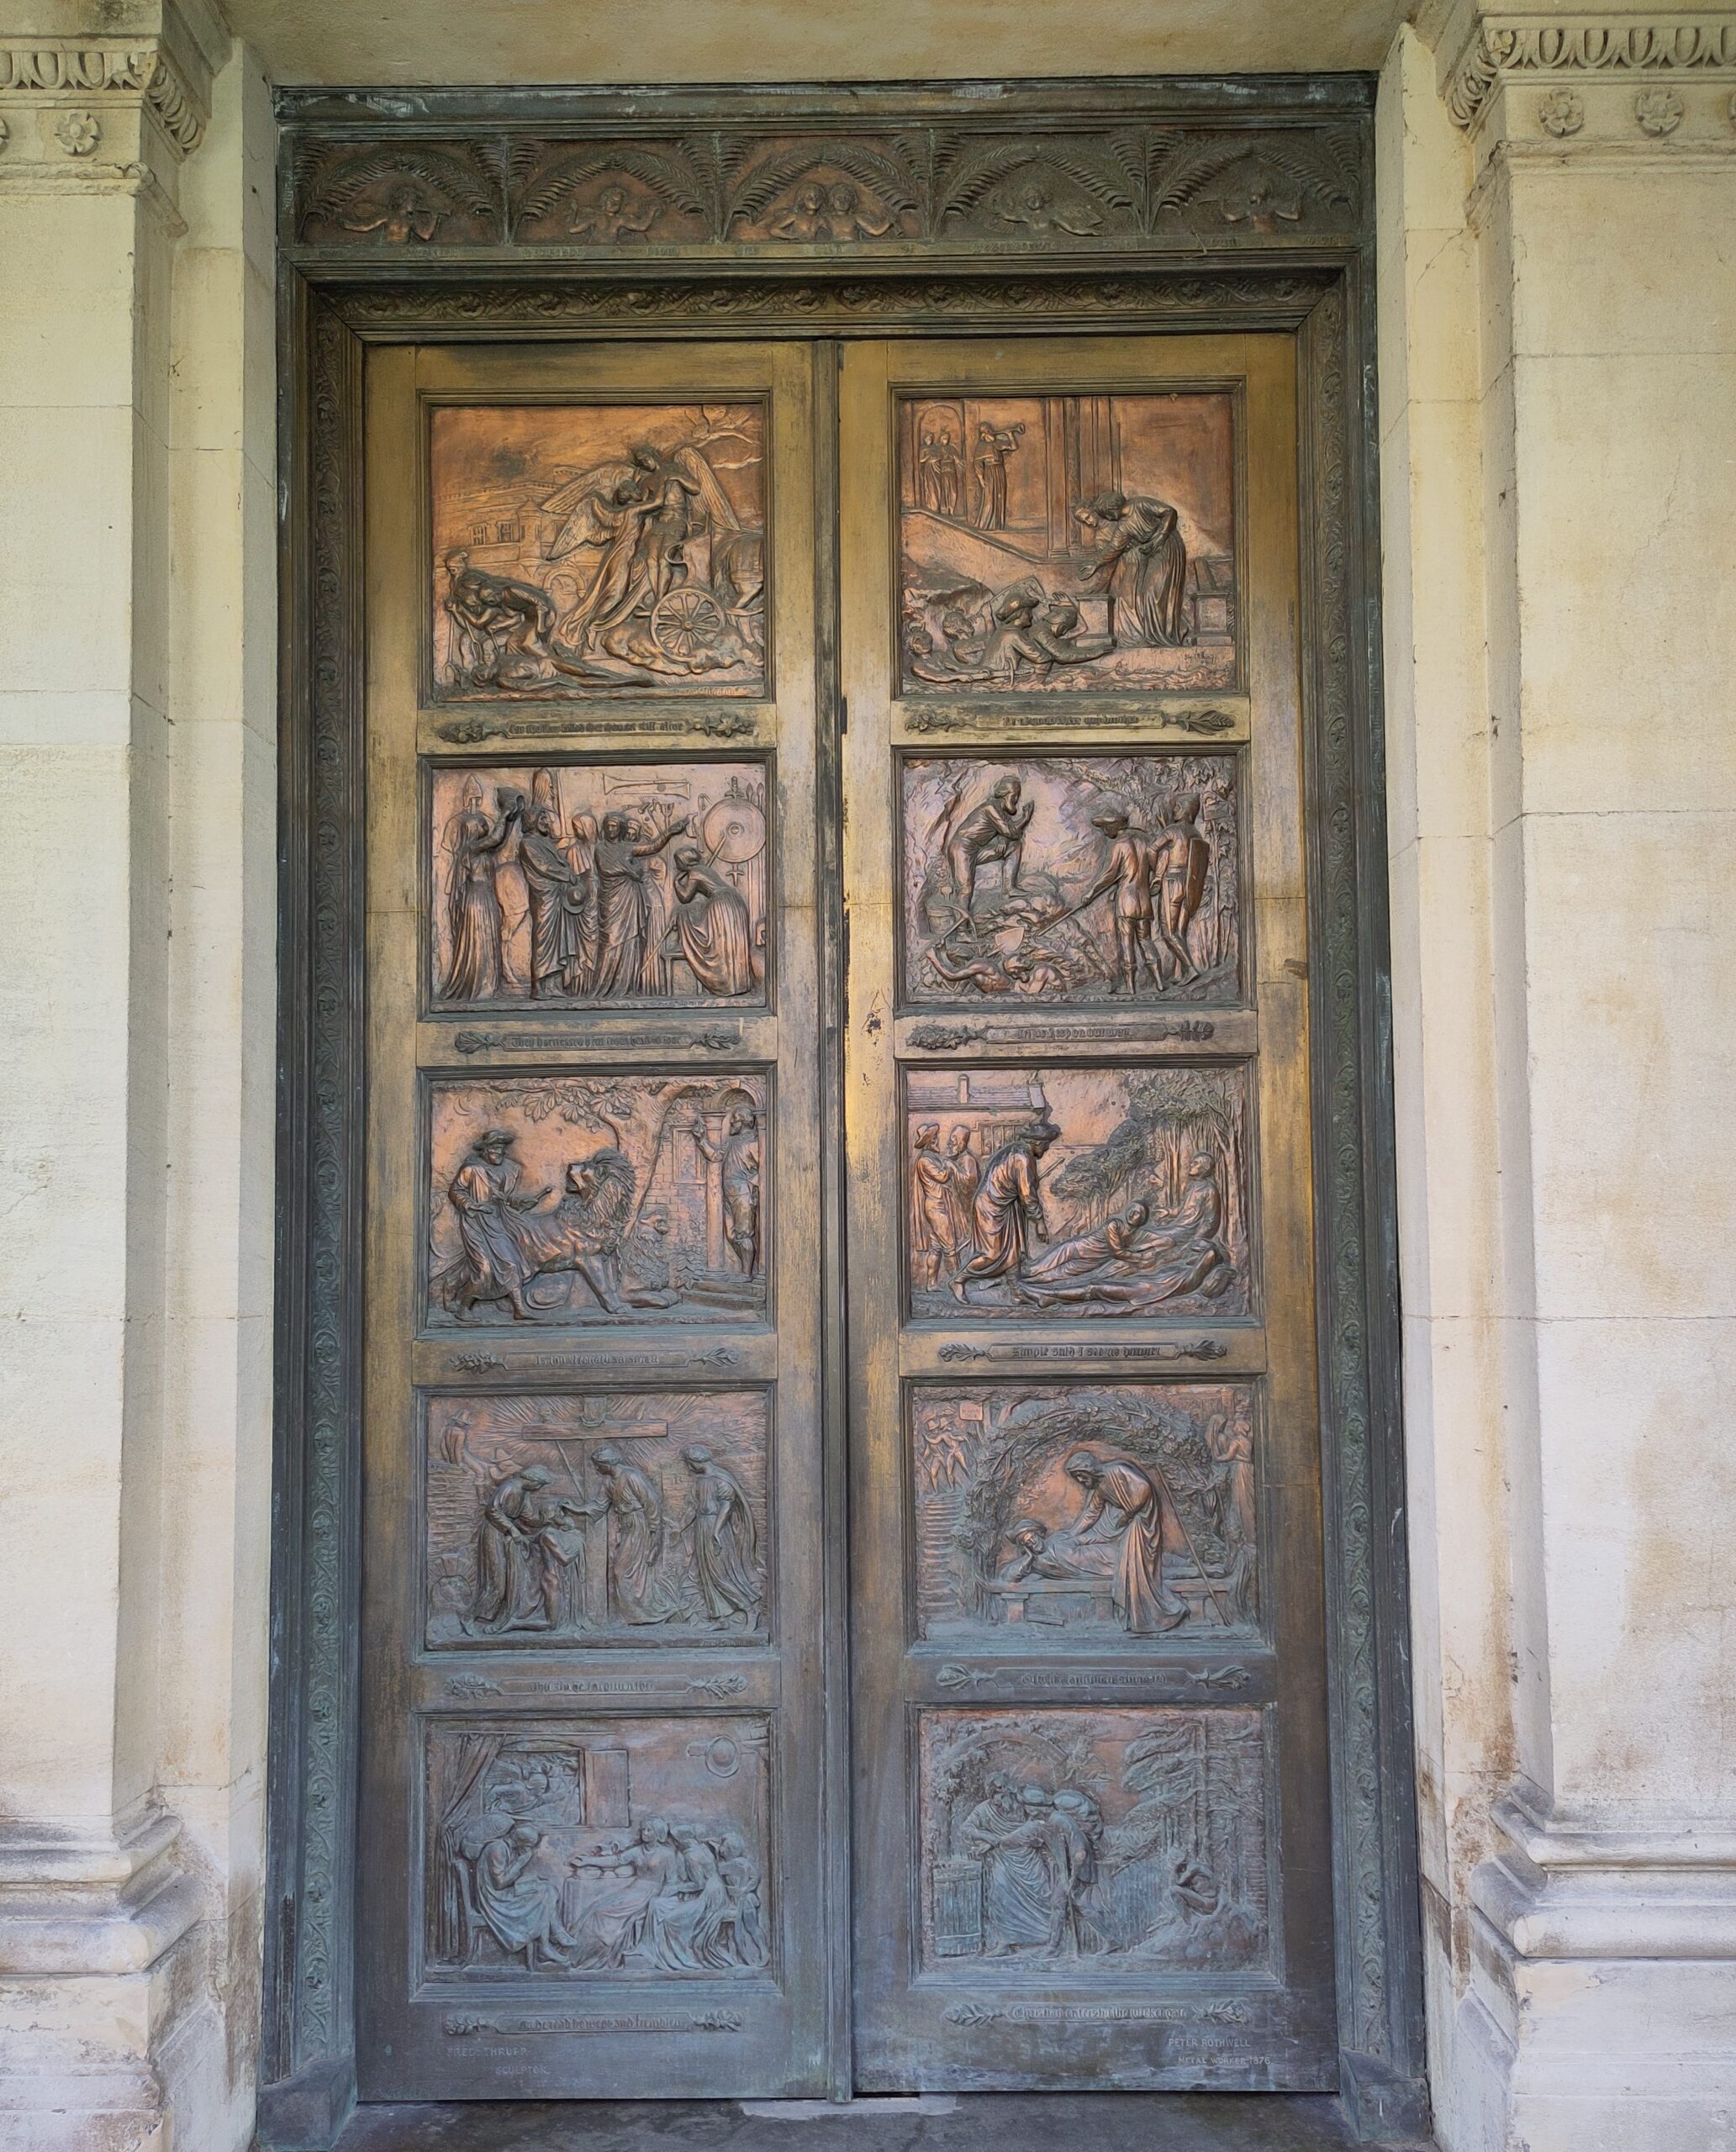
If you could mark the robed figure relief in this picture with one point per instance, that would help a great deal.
(1077, 543)
(1072, 879)
(597, 548)
(1121, 1510)
(1110, 1842)
(640, 1516)
(1091, 1192)
(640, 883)
(623, 1848)
(584, 1200)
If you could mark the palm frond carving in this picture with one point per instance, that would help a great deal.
(980, 169)
(451, 182)
(543, 181)
(884, 170)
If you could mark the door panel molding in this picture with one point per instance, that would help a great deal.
(350, 289)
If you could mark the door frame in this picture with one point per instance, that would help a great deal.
(1146, 206)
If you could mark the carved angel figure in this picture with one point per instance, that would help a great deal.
(610, 218)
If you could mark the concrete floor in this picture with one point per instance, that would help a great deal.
(1105, 2121)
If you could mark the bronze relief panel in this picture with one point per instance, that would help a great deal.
(1077, 1192)
(1107, 1842)
(598, 549)
(1067, 542)
(638, 1518)
(583, 1200)
(1072, 879)
(613, 1848)
(608, 885)
(1046, 1516)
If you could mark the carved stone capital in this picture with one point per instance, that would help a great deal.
(1534, 80)
(98, 114)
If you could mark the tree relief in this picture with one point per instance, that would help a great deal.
(618, 1200)
(609, 1849)
(625, 885)
(1072, 879)
(641, 1517)
(597, 548)
(1067, 542)
(1123, 1512)
(1098, 1845)
(1077, 1192)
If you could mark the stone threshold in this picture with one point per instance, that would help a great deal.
(1008, 2122)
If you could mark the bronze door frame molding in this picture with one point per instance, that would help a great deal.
(1142, 206)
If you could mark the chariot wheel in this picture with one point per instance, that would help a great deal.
(686, 623)
(733, 830)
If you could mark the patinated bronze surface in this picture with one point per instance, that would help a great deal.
(1194, 209)
(641, 1516)
(587, 882)
(1087, 1629)
(1096, 1513)
(1077, 878)
(612, 1849)
(591, 1807)
(1068, 1193)
(1066, 541)
(598, 547)
(1108, 1842)
(586, 1199)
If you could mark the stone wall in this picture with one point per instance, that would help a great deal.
(137, 689)
(1558, 364)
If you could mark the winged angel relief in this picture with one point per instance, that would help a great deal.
(600, 547)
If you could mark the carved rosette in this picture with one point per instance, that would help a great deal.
(1638, 80)
(103, 116)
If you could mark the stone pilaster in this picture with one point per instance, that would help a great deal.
(1534, 81)
(113, 1914)
(1596, 1977)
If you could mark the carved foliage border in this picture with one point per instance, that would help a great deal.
(1335, 860)
(1378, 1958)
(316, 1607)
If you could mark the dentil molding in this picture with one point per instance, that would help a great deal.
(1634, 77)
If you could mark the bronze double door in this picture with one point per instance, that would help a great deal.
(842, 1514)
